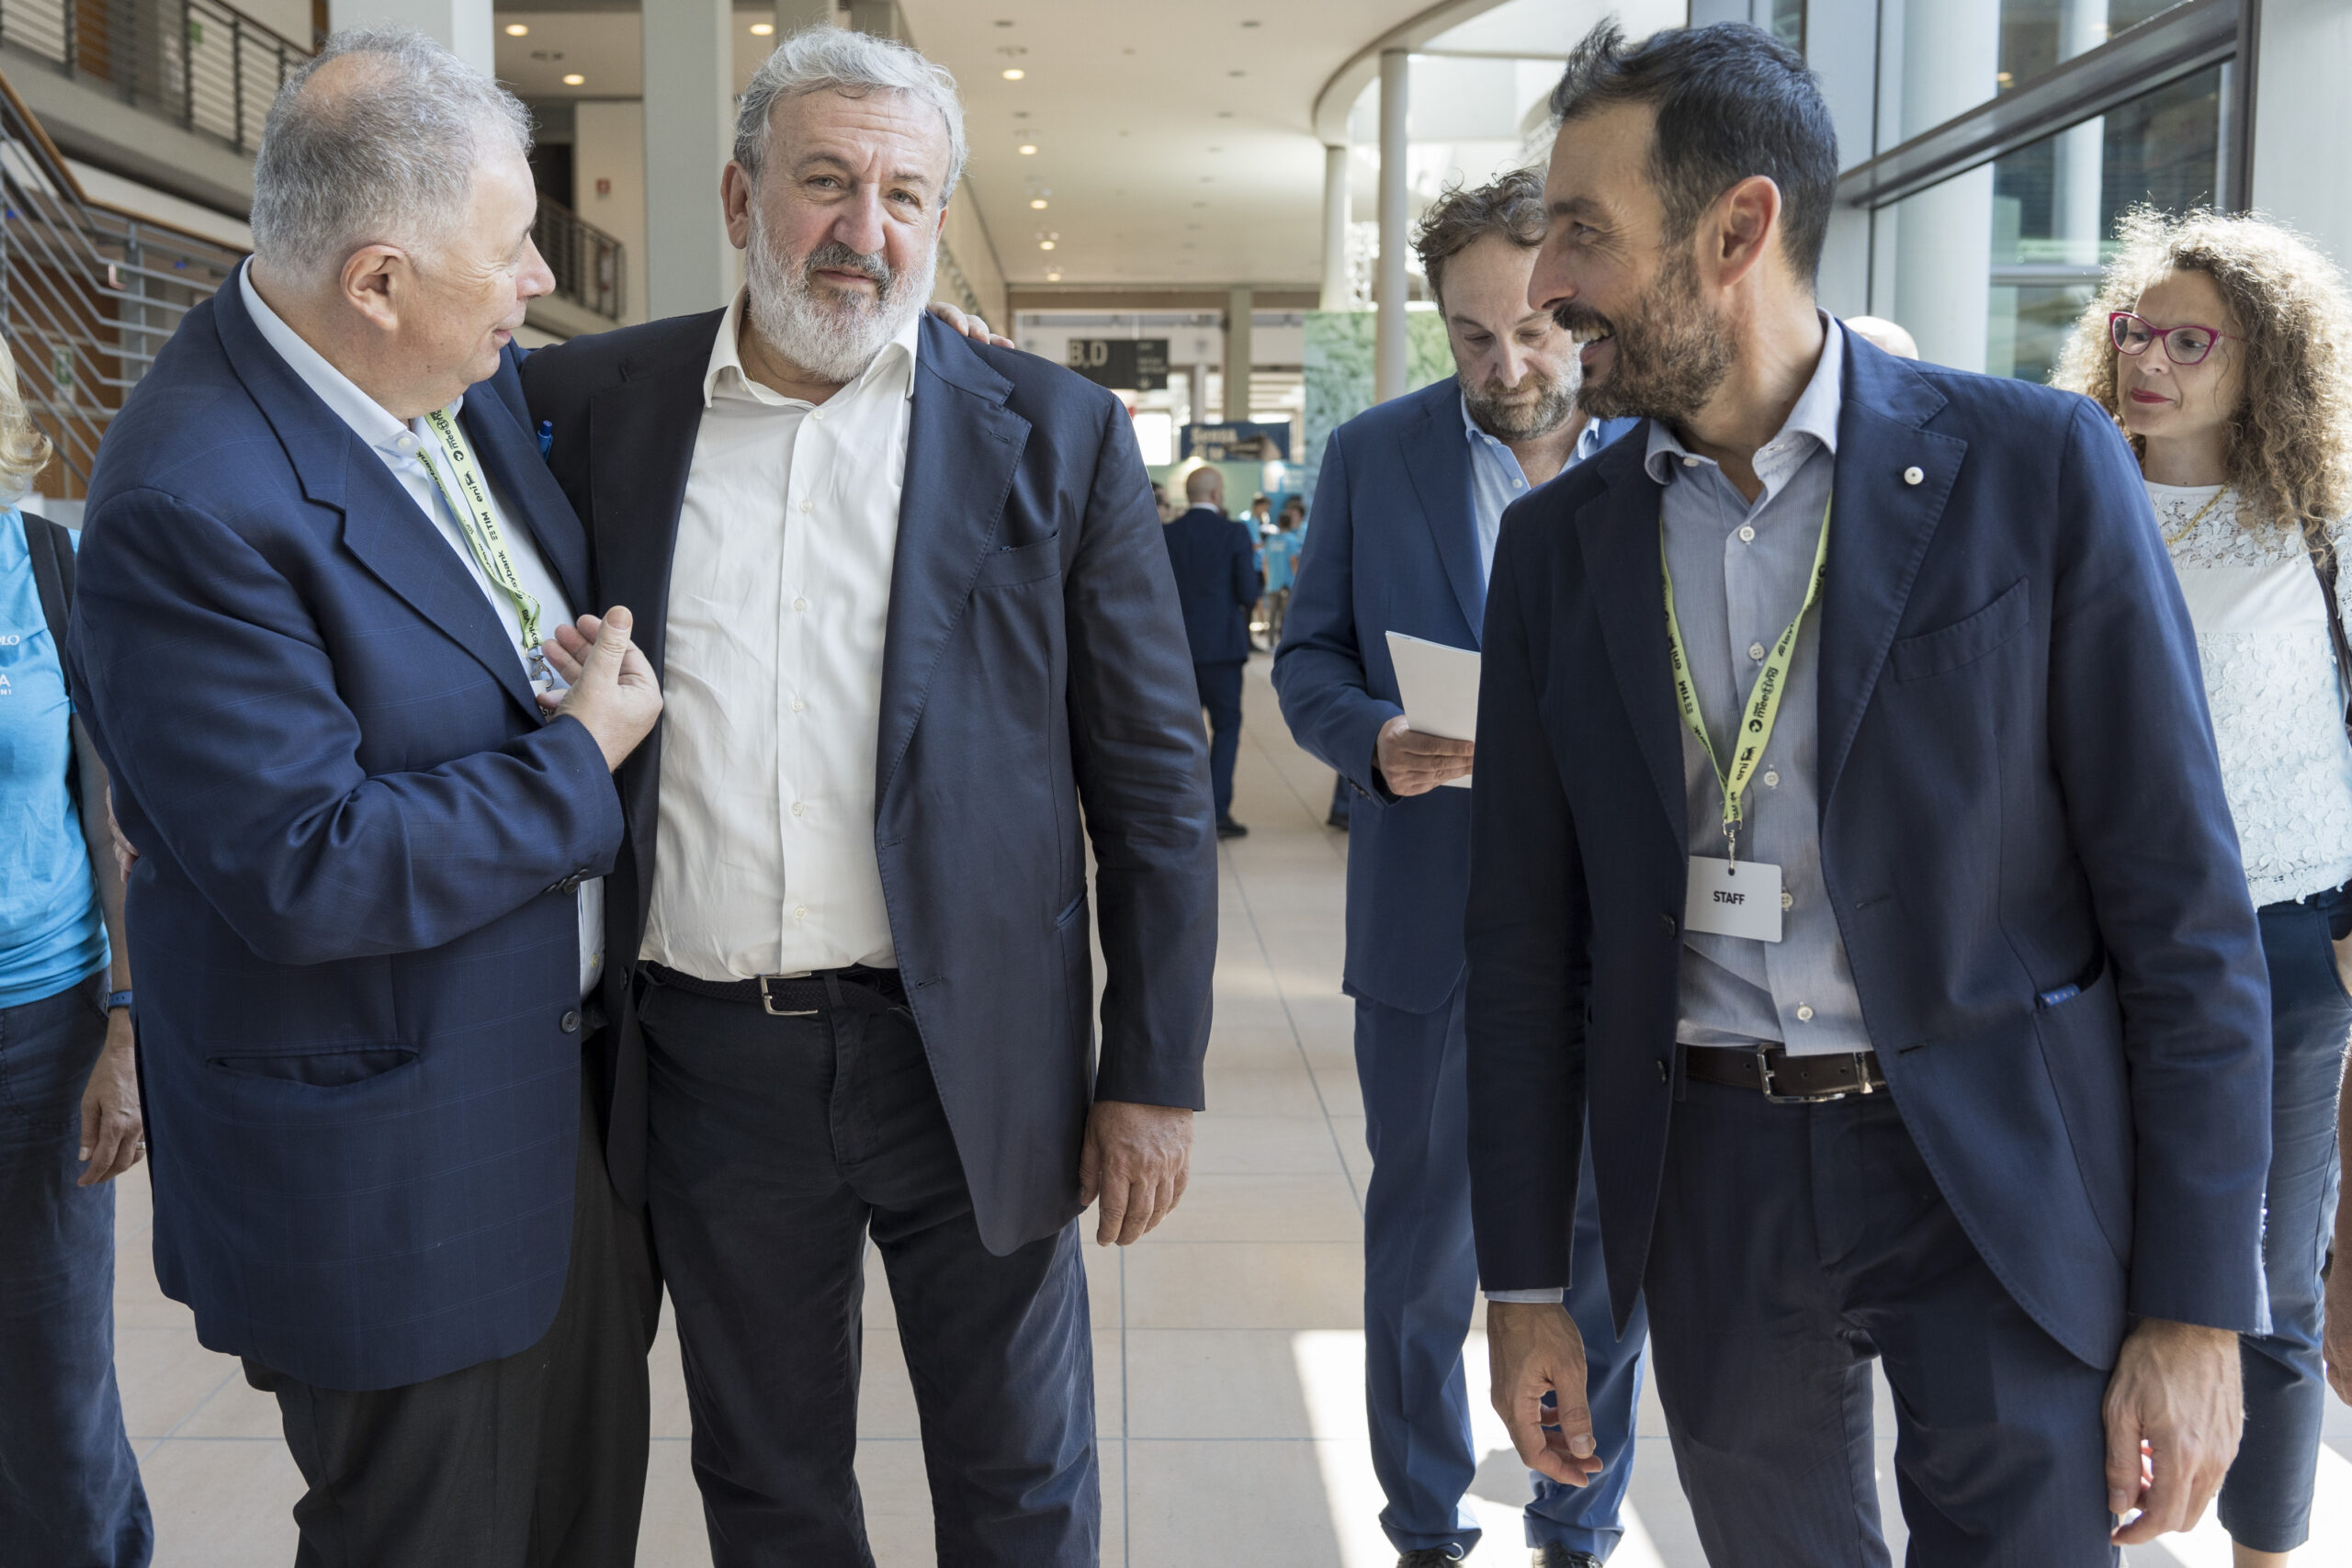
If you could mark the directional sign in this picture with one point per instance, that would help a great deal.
(1138, 365)
(1238, 441)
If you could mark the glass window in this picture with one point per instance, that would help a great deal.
(1941, 58)
(1788, 23)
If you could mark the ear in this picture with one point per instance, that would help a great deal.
(376, 281)
(1742, 228)
(735, 202)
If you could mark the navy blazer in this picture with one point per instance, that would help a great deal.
(359, 943)
(1393, 546)
(1215, 562)
(2019, 790)
(1036, 694)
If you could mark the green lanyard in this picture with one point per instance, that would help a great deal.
(478, 523)
(1763, 709)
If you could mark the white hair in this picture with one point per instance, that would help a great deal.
(387, 155)
(827, 59)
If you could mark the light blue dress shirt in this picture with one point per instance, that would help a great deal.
(1739, 574)
(1496, 479)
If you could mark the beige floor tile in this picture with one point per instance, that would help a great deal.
(1271, 1082)
(1265, 1208)
(1349, 1132)
(1221, 1383)
(1263, 1146)
(236, 1409)
(671, 1534)
(164, 1375)
(1229, 1505)
(221, 1504)
(1296, 1284)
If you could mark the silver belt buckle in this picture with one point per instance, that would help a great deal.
(768, 1003)
(1764, 1074)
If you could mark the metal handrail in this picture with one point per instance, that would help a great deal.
(203, 64)
(589, 265)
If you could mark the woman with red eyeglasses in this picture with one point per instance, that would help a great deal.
(2220, 345)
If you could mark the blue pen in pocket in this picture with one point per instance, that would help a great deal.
(547, 437)
(2066, 993)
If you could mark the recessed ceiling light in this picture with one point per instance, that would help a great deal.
(516, 29)
(1224, 114)
(1037, 204)
(1028, 149)
(575, 79)
(763, 29)
(1005, 22)
(1015, 73)
(1216, 149)
(1237, 73)
(1053, 278)
(1044, 244)
(1249, 23)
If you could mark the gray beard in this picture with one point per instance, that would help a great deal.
(1671, 355)
(1524, 421)
(833, 339)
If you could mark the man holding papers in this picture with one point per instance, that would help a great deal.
(1407, 509)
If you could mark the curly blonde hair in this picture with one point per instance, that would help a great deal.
(24, 450)
(2289, 450)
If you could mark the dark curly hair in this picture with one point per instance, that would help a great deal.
(1511, 207)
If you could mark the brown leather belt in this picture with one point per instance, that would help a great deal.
(1784, 1080)
(858, 989)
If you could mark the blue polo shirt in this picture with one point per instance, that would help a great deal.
(53, 934)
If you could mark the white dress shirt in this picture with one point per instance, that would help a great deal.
(772, 675)
(405, 449)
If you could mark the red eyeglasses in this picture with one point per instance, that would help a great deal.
(2184, 344)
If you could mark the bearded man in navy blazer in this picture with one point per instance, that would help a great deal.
(322, 552)
(1407, 505)
(1944, 1044)
(908, 599)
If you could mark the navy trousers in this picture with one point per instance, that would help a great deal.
(1220, 686)
(1795, 1243)
(69, 1485)
(2266, 1503)
(1421, 1285)
(779, 1146)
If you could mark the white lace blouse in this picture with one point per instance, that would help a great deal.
(2270, 680)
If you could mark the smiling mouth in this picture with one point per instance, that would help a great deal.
(2140, 395)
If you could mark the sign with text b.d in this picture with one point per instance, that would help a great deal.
(1136, 364)
(1238, 441)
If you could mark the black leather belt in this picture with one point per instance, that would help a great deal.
(1784, 1080)
(857, 988)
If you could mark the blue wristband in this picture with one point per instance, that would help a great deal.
(118, 999)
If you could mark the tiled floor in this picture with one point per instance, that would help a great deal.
(1227, 1350)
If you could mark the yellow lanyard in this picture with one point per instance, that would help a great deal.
(478, 523)
(1763, 709)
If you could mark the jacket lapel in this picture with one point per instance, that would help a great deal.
(1617, 532)
(641, 434)
(1880, 528)
(963, 446)
(382, 525)
(1439, 466)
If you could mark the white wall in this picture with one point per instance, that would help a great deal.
(2303, 120)
(608, 143)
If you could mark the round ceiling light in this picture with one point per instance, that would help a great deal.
(1036, 204)
(1044, 244)
(516, 29)
(1013, 74)
(575, 79)
(763, 29)
(1028, 150)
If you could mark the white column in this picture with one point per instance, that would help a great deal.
(1944, 236)
(689, 132)
(1388, 282)
(1196, 393)
(2303, 120)
(2076, 213)
(462, 27)
(1238, 350)
(1335, 229)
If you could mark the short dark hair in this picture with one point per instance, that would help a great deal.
(1511, 207)
(1732, 102)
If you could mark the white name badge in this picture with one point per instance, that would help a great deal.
(1725, 899)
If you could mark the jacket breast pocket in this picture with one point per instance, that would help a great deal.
(1022, 563)
(1965, 641)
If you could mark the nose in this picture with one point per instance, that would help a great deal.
(858, 224)
(1511, 357)
(537, 279)
(1549, 287)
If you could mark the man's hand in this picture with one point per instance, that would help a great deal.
(1414, 763)
(1137, 1159)
(2174, 1410)
(613, 693)
(971, 326)
(112, 1127)
(1533, 1350)
(2336, 1344)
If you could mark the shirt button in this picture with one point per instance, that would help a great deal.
(798, 704)
(800, 912)
(570, 1024)
(1747, 533)
(1913, 476)
(807, 505)
(817, 414)
(1788, 900)
(798, 806)
(1772, 778)
(1755, 650)
(1805, 1015)
(801, 603)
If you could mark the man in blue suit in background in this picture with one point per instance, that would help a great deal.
(322, 552)
(1405, 511)
(1215, 561)
(1852, 861)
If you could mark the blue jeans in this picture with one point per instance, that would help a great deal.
(69, 1485)
(1422, 1283)
(2266, 1501)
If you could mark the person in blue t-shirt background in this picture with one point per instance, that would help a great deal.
(70, 1117)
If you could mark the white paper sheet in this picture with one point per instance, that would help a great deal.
(1440, 685)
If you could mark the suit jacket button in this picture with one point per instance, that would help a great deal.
(1664, 1072)
(1668, 922)
(571, 1020)
(569, 884)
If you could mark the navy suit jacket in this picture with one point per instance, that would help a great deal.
(1215, 562)
(1036, 693)
(1393, 547)
(2018, 780)
(359, 943)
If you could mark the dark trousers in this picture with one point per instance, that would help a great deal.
(1793, 1244)
(1220, 686)
(779, 1145)
(68, 1485)
(2267, 1502)
(536, 1461)
(1420, 1283)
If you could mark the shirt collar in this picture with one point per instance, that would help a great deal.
(1815, 415)
(368, 419)
(726, 378)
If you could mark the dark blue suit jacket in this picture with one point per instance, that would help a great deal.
(1393, 546)
(358, 945)
(2018, 777)
(1215, 562)
(1036, 694)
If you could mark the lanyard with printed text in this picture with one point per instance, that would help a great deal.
(478, 523)
(1763, 709)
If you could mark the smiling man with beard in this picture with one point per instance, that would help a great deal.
(1407, 505)
(911, 593)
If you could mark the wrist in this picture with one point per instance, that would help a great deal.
(121, 998)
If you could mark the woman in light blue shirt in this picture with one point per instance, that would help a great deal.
(69, 1095)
